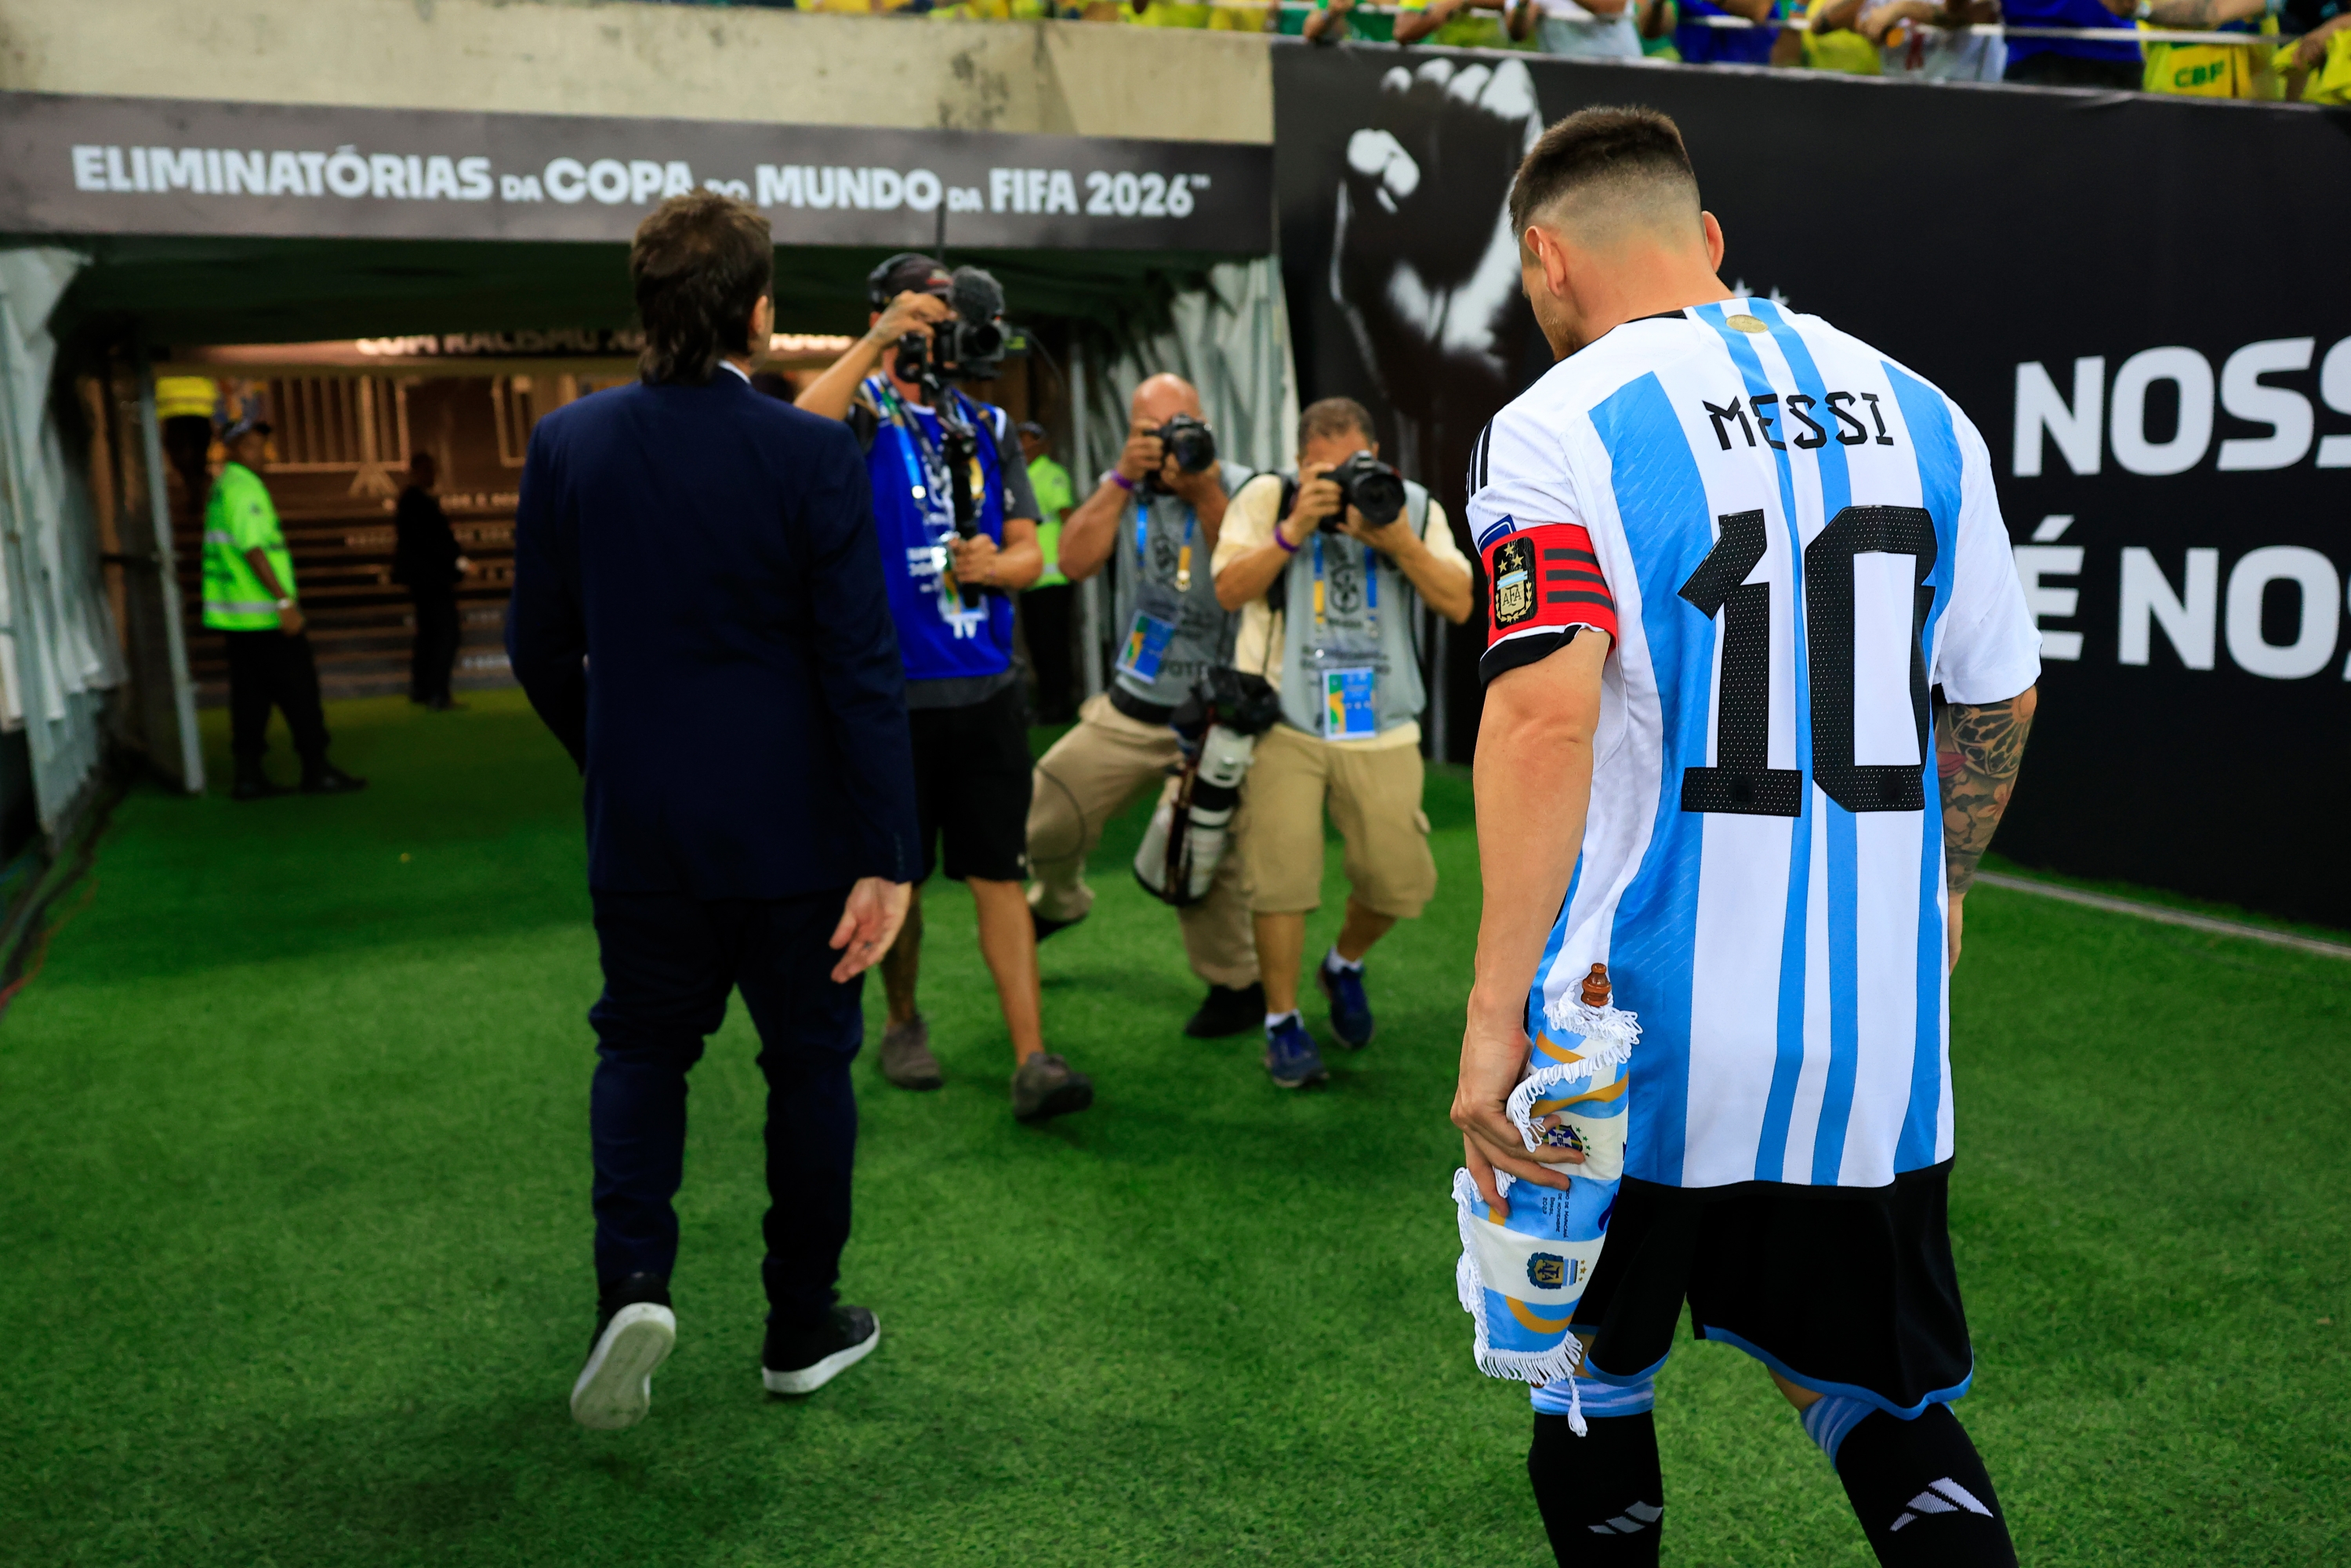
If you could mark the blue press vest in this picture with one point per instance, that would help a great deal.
(979, 642)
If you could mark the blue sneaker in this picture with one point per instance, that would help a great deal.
(1290, 1059)
(1351, 1011)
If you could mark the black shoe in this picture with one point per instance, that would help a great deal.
(1046, 925)
(635, 1331)
(803, 1361)
(253, 784)
(1229, 1009)
(1045, 1086)
(444, 704)
(327, 779)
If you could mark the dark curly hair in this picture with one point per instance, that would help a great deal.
(700, 264)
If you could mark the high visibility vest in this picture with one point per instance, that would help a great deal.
(238, 517)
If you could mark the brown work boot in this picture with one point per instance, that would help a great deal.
(906, 1059)
(1045, 1086)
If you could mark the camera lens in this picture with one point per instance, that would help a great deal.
(1372, 487)
(1190, 442)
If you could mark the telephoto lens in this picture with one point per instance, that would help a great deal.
(1190, 442)
(1369, 486)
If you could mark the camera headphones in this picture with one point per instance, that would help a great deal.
(878, 292)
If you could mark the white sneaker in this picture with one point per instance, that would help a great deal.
(616, 1387)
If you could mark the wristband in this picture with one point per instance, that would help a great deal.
(1283, 540)
(1119, 479)
(285, 605)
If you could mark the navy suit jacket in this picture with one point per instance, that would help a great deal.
(699, 615)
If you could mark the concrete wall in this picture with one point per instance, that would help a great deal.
(621, 57)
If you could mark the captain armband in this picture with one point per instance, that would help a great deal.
(1545, 586)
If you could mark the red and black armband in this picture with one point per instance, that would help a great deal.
(1543, 586)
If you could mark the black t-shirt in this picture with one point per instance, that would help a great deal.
(425, 556)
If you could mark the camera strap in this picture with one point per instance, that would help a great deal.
(1347, 678)
(1142, 542)
(1371, 594)
(938, 505)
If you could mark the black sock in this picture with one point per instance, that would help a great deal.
(1602, 1496)
(1921, 1493)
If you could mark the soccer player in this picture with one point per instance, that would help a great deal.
(1733, 551)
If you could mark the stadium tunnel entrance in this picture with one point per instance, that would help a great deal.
(362, 352)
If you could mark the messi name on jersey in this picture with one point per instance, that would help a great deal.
(1767, 407)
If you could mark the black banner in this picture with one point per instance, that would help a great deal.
(73, 165)
(2128, 295)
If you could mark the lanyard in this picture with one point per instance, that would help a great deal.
(903, 417)
(1371, 590)
(1142, 541)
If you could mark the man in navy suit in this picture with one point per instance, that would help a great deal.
(700, 616)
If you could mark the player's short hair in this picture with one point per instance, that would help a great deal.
(1636, 151)
(700, 264)
(1335, 416)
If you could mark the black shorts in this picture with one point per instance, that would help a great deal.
(1839, 1290)
(971, 784)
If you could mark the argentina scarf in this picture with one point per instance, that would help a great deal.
(1521, 1277)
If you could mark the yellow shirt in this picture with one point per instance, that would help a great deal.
(2216, 70)
(1248, 527)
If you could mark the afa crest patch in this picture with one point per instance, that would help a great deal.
(1514, 582)
(1547, 1272)
(1547, 577)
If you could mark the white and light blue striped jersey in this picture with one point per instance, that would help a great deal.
(1800, 538)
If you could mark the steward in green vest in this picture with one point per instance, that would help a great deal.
(249, 599)
(1047, 605)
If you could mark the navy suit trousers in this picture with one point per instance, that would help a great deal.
(670, 961)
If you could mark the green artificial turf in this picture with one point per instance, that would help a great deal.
(297, 1233)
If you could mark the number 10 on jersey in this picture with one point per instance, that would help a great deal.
(1741, 781)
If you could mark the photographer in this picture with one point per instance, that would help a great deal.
(1328, 572)
(958, 529)
(1161, 513)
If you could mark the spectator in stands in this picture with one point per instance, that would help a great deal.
(1820, 38)
(1655, 21)
(1927, 39)
(2072, 62)
(1602, 29)
(1331, 20)
(425, 561)
(2318, 70)
(1452, 24)
(2218, 71)
(1045, 608)
(1701, 44)
(249, 598)
(1329, 602)
(2086, 62)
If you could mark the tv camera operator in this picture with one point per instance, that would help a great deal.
(1328, 571)
(1159, 513)
(699, 615)
(958, 527)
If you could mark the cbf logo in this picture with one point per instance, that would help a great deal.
(1549, 1271)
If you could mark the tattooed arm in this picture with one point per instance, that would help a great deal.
(1982, 745)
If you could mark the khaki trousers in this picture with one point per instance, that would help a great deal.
(1374, 799)
(1089, 776)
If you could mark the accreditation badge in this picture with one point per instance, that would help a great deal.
(1351, 702)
